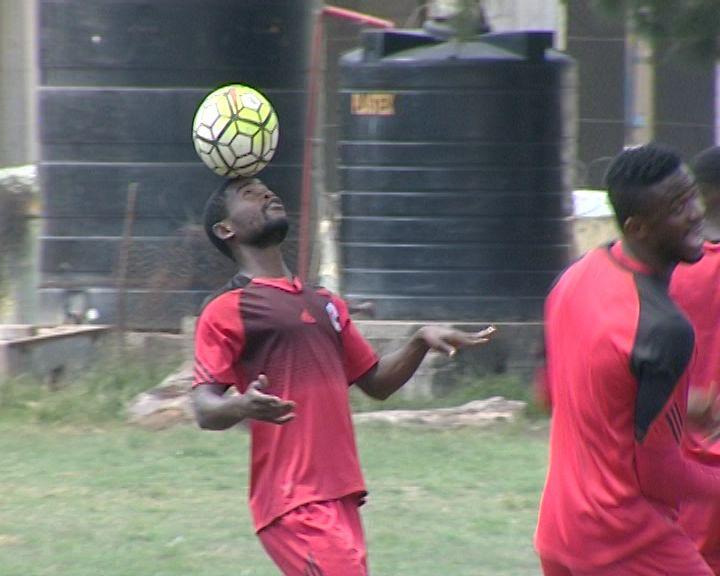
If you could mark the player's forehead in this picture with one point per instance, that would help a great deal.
(243, 184)
(676, 186)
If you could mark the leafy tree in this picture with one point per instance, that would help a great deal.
(688, 29)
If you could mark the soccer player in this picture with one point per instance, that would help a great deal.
(617, 352)
(291, 353)
(696, 290)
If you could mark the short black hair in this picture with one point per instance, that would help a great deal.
(215, 211)
(706, 166)
(635, 169)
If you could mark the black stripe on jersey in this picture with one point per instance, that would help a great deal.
(663, 347)
(673, 426)
(237, 281)
(203, 373)
(675, 413)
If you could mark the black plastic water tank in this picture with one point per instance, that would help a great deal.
(119, 84)
(455, 169)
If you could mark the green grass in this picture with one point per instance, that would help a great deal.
(119, 501)
(83, 494)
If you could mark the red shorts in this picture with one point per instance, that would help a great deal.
(676, 556)
(701, 520)
(318, 539)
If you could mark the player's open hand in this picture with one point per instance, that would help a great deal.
(266, 407)
(450, 340)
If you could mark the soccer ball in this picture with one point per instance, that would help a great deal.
(235, 131)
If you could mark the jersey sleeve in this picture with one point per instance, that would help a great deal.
(358, 354)
(661, 355)
(219, 342)
(664, 472)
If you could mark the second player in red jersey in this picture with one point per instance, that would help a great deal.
(696, 289)
(617, 356)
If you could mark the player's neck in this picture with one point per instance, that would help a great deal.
(262, 263)
(637, 251)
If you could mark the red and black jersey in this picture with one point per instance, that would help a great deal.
(696, 290)
(310, 351)
(617, 352)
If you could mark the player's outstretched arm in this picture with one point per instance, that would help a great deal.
(393, 370)
(216, 411)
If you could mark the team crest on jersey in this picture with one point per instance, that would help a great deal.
(334, 316)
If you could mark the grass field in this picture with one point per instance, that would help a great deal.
(82, 494)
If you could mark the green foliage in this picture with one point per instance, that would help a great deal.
(100, 394)
(688, 29)
(468, 20)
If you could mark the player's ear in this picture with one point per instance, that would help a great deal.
(634, 226)
(222, 230)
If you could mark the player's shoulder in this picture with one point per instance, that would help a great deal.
(334, 304)
(711, 255)
(329, 295)
(581, 265)
(594, 279)
(711, 251)
(225, 296)
(323, 291)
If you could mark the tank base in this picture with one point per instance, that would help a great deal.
(512, 353)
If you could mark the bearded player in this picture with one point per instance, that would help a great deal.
(292, 352)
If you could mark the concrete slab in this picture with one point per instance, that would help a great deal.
(49, 353)
(14, 331)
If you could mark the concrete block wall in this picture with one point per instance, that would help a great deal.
(512, 352)
(49, 355)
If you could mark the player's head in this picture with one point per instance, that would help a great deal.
(656, 203)
(706, 167)
(243, 211)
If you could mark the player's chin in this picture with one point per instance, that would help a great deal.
(693, 252)
(273, 233)
(277, 220)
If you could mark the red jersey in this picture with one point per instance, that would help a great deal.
(617, 350)
(307, 346)
(696, 290)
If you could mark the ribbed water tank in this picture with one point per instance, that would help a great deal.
(455, 170)
(119, 84)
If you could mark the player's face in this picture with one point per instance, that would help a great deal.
(256, 214)
(676, 224)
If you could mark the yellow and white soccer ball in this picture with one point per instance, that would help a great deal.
(235, 131)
